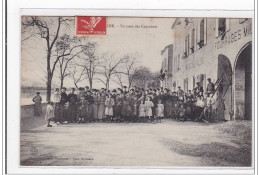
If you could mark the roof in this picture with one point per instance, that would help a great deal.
(167, 47)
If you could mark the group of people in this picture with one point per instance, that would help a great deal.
(134, 105)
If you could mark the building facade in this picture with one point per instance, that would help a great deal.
(167, 68)
(220, 49)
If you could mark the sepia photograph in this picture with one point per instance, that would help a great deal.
(101, 91)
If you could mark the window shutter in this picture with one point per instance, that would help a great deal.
(188, 44)
(227, 24)
(195, 38)
(184, 44)
(205, 31)
(198, 34)
(216, 28)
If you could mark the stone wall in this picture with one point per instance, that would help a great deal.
(28, 110)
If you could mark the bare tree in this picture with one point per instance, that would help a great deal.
(47, 29)
(67, 49)
(87, 62)
(119, 79)
(130, 69)
(109, 66)
(142, 77)
(77, 75)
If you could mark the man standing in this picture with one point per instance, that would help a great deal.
(180, 92)
(167, 99)
(210, 87)
(90, 101)
(72, 110)
(63, 101)
(95, 105)
(124, 90)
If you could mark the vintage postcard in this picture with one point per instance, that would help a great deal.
(136, 91)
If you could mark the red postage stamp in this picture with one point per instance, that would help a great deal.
(86, 25)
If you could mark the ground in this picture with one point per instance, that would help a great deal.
(169, 143)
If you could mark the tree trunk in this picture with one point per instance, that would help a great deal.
(49, 79)
(107, 84)
(49, 76)
(61, 82)
(90, 83)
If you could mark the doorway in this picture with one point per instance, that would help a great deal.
(243, 83)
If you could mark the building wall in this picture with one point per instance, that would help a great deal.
(167, 66)
(204, 61)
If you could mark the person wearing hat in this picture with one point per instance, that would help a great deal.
(126, 108)
(114, 95)
(72, 109)
(89, 101)
(64, 96)
(210, 87)
(37, 105)
(81, 93)
(167, 102)
(180, 92)
(136, 104)
(175, 98)
(95, 105)
(101, 106)
(124, 90)
(118, 105)
(63, 102)
(131, 99)
(109, 103)
(86, 90)
(198, 88)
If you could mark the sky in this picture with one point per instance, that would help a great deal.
(120, 40)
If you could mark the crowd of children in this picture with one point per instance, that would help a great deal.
(135, 105)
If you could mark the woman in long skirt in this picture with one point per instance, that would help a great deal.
(95, 105)
(49, 115)
(37, 105)
(101, 106)
(167, 101)
(90, 101)
(118, 107)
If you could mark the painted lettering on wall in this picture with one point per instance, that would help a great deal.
(195, 63)
(233, 37)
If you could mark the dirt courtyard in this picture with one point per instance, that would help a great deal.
(169, 143)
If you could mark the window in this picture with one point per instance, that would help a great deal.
(192, 48)
(186, 46)
(202, 33)
(222, 26)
